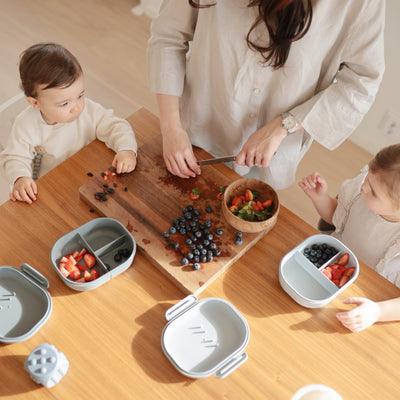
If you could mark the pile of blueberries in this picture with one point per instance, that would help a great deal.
(319, 254)
(199, 237)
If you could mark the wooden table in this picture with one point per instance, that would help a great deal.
(111, 336)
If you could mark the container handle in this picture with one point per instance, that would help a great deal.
(181, 307)
(35, 275)
(231, 365)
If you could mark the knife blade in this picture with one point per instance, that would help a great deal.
(216, 160)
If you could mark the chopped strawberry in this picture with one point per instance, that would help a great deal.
(87, 276)
(336, 273)
(82, 252)
(327, 272)
(89, 259)
(248, 194)
(236, 201)
(343, 280)
(94, 274)
(74, 274)
(344, 259)
(63, 270)
(233, 209)
(349, 271)
(267, 203)
(81, 280)
(194, 194)
(81, 267)
(75, 254)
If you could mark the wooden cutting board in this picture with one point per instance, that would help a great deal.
(147, 201)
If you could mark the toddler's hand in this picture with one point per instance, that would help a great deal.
(314, 186)
(363, 316)
(24, 189)
(124, 161)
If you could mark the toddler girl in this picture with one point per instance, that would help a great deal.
(59, 122)
(366, 216)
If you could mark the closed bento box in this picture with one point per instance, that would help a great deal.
(110, 249)
(309, 278)
(25, 303)
(205, 337)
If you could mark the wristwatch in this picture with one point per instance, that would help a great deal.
(289, 122)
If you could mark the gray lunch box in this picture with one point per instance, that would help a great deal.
(25, 303)
(103, 238)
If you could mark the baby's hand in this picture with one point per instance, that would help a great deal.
(124, 161)
(314, 186)
(24, 189)
(361, 317)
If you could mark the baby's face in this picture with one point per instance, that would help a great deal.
(376, 197)
(59, 105)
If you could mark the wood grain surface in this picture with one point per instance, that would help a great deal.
(112, 335)
(147, 200)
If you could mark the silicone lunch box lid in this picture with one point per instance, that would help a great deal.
(205, 337)
(25, 303)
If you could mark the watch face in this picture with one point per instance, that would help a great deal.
(289, 123)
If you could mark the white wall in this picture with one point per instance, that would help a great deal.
(370, 135)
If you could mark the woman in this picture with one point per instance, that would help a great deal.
(227, 75)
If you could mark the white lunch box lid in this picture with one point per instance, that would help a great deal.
(205, 337)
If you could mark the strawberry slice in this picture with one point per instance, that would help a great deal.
(89, 259)
(87, 276)
(74, 274)
(267, 203)
(349, 271)
(343, 280)
(327, 272)
(81, 280)
(248, 195)
(344, 259)
(75, 254)
(336, 273)
(94, 274)
(236, 201)
(63, 270)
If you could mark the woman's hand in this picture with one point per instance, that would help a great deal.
(178, 154)
(124, 161)
(262, 145)
(363, 316)
(24, 189)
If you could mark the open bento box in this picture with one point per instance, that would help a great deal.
(205, 337)
(25, 303)
(305, 282)
(111, 244)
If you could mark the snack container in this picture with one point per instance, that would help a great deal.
(104, 238)
(25, 303)
(204, 338)
(305, 282)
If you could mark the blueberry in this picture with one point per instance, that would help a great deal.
(196, 266)
(189, 256)
(209, 257)
(207, 223)
(175, 245)
(217, 252)
(189, 207)
(188, 241)
(219, 231)
(208, 209)
(239, 234)
(166, 234)
(196, 259)
(206, 242)
(182, 231)
(203, 259)
(238, 241)
(196, 212)
(213, 246)
(184, 261)
(172, 230)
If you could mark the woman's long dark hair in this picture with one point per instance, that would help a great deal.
(286, 21)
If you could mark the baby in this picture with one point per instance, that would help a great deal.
(59, 122)
(366, 216)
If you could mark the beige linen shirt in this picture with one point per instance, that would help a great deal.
(328, 82)
(61, 140)
(373, 240)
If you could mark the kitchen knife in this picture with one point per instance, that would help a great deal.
(216, 160)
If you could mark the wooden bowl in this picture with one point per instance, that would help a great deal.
(237, 188)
